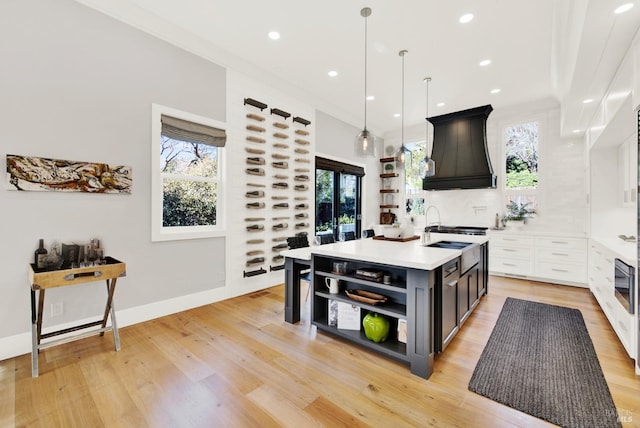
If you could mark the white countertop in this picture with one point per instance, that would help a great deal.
(410, 254)
(625, 251)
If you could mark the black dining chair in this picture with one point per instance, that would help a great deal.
(368, 233)
(326, 238)
(349, 236)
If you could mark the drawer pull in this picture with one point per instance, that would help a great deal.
(559, 242)
(509, 239)
(451, 283)
(560, 270)
(509, 264)
(451, 269)
(609, 261)
(560, 254)
(509, 250)
(72, 276)
(608, 305)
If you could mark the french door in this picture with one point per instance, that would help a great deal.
(338, 199)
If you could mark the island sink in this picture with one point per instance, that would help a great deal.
(450, 245)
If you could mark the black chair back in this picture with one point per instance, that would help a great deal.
(369, 233)
(326, 239)
(297, 242)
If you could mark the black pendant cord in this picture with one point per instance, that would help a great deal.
(365, 72)
(426, 143)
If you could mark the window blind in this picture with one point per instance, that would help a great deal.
(192, 132)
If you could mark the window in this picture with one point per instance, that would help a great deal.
(187, 167)
(521, 165)
(414, 196)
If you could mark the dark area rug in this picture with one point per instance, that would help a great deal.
(540, 360)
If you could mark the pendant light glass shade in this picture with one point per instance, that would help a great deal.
(365, 144)
(401, 154)
(428, 166)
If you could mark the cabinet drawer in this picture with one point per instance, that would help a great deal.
(512, 251)
(562, 271)
(562, 243)
(520, 267)
(561, 255)
(512, 240)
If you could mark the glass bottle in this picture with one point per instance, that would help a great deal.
(40, 255)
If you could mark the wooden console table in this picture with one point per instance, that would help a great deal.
(42, 280)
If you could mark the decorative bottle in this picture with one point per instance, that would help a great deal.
(40, 256)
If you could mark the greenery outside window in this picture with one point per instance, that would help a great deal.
(521, 168)
(414, 195)
(187, 167)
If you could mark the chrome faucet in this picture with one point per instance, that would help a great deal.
(427, 228)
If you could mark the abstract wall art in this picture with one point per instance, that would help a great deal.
(44, 174)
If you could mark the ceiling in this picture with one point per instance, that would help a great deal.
(562, 49)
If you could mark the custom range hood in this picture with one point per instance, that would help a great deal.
(460, 151)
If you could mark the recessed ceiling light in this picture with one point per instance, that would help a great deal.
(576, 131)
(371, 98)
(274, 35)
(467, 17)
(587, 101)
(485, 62)
(332, 73)
(623, 8)
(396, 115)
(495, 91)
(440, 105)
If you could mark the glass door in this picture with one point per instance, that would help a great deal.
(338, 199)
(347, 203)
(325, 197)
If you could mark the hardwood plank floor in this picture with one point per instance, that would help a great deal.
(238, 364)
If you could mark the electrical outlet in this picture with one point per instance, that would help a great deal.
(56, 309)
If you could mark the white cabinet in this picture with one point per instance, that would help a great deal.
(511, 255)
(627, 171)
(559, 260)
(601, 282)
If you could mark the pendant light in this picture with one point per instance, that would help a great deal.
(365, 141)
(428, 166)
(402, 152)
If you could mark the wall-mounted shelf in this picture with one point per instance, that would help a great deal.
(389, 187)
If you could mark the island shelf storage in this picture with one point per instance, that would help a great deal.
(409, 297)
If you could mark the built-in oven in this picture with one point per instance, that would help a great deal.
(624, 284)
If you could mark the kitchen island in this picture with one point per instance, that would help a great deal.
(426, 290)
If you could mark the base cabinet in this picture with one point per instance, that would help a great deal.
(430, 306)
(410, 297)
(602, 285)
(559, 260)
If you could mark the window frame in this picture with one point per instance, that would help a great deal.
(507, 192)
(160, 233)
(419, 193)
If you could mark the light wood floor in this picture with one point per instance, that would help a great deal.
(236, 363)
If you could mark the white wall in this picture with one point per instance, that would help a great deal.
(335, 139)
(79, 85)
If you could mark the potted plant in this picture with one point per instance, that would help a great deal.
(518, 211)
